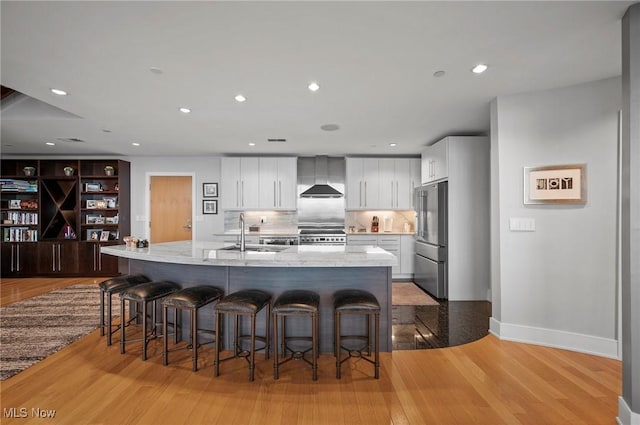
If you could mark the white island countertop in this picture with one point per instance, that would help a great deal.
(213, 254)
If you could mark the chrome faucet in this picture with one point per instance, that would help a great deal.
(242, 243)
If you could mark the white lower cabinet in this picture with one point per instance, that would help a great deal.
(401, 246)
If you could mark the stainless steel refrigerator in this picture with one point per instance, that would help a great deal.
(431, 239)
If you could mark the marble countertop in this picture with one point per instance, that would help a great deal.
(211, 253)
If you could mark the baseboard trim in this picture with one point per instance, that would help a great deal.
(625, 415)
(581, 343)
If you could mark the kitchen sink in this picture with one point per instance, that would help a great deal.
(256, 248)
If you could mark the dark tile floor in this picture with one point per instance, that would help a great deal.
(445, 325)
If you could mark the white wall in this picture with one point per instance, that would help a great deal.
(557, 286)
(206, 170)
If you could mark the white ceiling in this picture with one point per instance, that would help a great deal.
(374, 62)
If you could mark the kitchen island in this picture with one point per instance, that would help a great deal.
(275, 269)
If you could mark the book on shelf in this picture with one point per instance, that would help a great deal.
(20, 217)
(19, 234)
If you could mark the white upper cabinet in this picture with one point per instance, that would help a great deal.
(397, 179)
(362, 183)
(416, 179)
(278, 183)
(240, 181)
(435, 161)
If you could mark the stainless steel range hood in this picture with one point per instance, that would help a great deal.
(321, 188)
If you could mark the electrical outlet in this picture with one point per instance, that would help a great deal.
(263, 219)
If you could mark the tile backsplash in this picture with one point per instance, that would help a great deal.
(363, 219)
(267, 221)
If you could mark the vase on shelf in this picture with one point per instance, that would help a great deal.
(29, 171)
(68, 171)
(109, 170)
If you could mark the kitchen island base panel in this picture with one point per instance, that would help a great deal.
(275, 280)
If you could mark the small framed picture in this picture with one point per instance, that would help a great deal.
(210, 206)
(14, 204)
(111, 202)
(99, 220)
(91, 204)
(91, 218)
(210, 190)
(93, 234)
(555, 184)
(104, 235)
(101, 204)
(92, 187)
(109, 220)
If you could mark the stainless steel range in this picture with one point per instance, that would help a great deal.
(321, 203)
(322, 236)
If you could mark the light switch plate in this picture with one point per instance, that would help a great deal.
(522, 224)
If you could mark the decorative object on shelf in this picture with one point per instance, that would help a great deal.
(111, 202)
(93, 234)
(101, 204)
(92, 187)
(92, 218)
(116, 187)
(29, 171)
(69, 233)
(210, 190)
(68, 171)
(209, 207)
(91, 204)
(109, 170)
(14, 204)
(104, 235)
(556, 184)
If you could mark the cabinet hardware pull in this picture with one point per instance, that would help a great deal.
(365, 193)
(242, 193)
(94, 257)
(280, 192)
(275, 203)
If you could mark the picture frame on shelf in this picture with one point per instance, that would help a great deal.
(100, 220)
(104, 235)
(91, 204)
(210, 206)
(92, 187)
(93, 234)
(555, 184)
(210, 190)
(14, 204)
(91, 218)
(109, 220)
(101, 204)
(112, 202)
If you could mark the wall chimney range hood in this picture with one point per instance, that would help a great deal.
(321, 188)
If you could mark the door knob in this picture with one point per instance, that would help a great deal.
(188, 226)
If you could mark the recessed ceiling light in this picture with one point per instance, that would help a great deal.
(329, 127)
(185, 110)
(59, 92)
(313, 86)
(106, 130)
(479, 69)
(393, 144)
(438, 74)
(240, 98)
(155, 70)
(50, 143)
(135, 143)
(251, 144)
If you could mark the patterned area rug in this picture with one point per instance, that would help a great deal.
(408, 293)
(35, 328)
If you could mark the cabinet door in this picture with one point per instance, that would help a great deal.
(408, 252)
(88, 257)
(19, 259)
(371, 179)
(404, 183)
(230, 183)
(250, 183)
(58, 257)
(287, 183)
(440, 154)
(416, 168)
(388, 183)
(362, 240)
(268, 183)
(354, 187)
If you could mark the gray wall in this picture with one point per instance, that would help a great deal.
(206, 170)
(557, 285)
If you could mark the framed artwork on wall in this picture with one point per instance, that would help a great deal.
(210, 190)
(210, 206)
(555, 184)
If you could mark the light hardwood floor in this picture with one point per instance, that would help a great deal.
(485, 382)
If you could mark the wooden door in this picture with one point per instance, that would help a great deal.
(170, 205)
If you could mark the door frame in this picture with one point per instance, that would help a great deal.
(147, 200)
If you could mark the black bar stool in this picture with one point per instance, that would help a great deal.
(355, 301)
(108, 288)
(296, 303)
(248, 302)
(144, 294)
(190, 299)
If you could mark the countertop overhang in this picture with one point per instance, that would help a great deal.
(213, 254)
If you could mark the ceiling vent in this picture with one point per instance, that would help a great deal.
(276, 140)
(70, 140)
